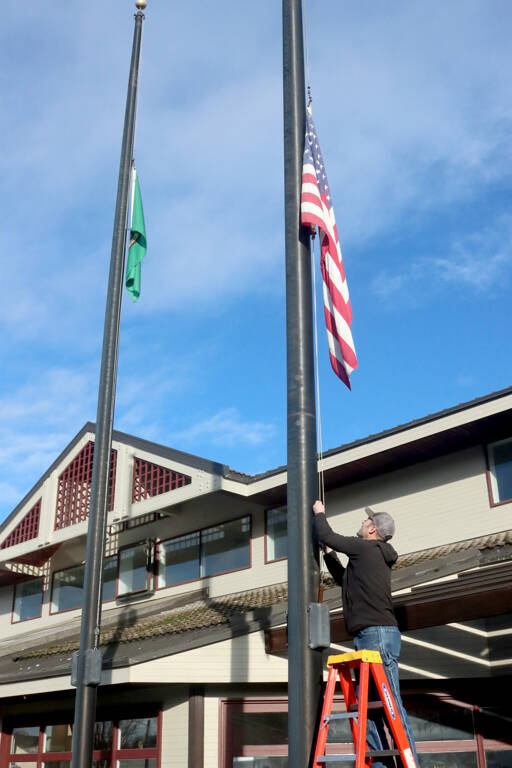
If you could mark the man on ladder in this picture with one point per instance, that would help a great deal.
(367, 604)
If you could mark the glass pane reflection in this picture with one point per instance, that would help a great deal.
(499, 758)
(440, 721)
(58, 738)
(25, 739)
(448, 760)
(138, 734)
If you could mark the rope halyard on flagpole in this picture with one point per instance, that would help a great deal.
(306, 50)
(320, 472)
(321, 490)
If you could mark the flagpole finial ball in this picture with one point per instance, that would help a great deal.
(141, 4)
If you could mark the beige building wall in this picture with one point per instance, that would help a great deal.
(175, 730)
(434, 502)
(211, 732)
(240, 660)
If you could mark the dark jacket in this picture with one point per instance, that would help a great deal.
(365, 582)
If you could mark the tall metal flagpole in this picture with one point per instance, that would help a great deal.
(304, 664)
(87, 662)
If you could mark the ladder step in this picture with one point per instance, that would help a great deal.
(371, 753)
(371, 705)
(340, 716)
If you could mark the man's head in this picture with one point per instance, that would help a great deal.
(378, 525)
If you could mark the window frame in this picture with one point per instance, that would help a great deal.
(30, 618)
(275, 559)
(110, 557)
(159, 562)
(112, 755)
(149, 545)
(492, 482)
(82, 565)
(61, 570)
(477, 745)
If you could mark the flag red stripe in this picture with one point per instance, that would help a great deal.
(316, 210)
(346, 350)
(343, 307)
(339, 370)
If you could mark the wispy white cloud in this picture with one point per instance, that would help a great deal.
(479, 261)
(226, 428)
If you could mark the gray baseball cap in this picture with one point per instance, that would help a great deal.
(384, 523)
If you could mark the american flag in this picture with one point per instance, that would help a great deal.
(317, 210)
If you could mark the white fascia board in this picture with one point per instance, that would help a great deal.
(116, 676)
(30, 687)
(378, 445)
(202, 482)
(411, 434)
(249, 489)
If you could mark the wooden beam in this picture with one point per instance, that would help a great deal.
(196, 727)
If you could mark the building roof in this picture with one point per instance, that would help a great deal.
(134, 634)
(380, 452)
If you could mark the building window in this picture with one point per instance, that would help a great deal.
(68, 586)
(209, 552)
(28, 599)
(448, 732)
(180, 560)
(133, 569)
(225, 547)
(276, 529)
(131, 743)
(108, 590)
(500, 469)
(25, 741)
(137, 733)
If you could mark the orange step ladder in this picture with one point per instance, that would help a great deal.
(365, 662)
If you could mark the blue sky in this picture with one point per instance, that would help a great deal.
(413, 106)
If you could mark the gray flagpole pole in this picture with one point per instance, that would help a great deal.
(87, 661)
(304, 664)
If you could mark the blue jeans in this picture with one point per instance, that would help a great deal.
(386, 640)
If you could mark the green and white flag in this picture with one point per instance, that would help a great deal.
(138, 246)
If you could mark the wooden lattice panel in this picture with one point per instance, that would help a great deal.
(74, 488)
(152, 480)
(27, 528)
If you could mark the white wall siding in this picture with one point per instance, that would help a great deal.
(175, 731)
(434, 502)
(242, 659)
(211, 732)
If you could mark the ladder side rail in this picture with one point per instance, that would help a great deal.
(393, 716)
(362, 714)
(323, 727)
(350, 696)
